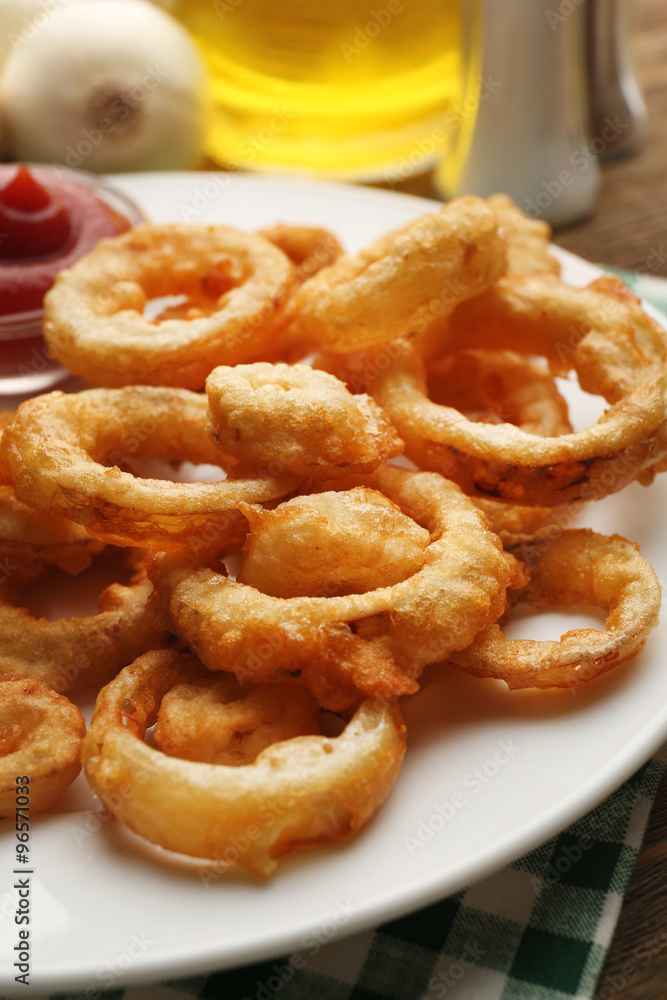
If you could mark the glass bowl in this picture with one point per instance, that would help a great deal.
(26, 365)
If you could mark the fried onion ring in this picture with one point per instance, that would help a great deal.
(235, 283)
(341, 543)
(69, 653)
(386, 290)
(313, 789)
(65, 450)
(32, 540)
(527, 238)
(304, 421)
(617, 350)
(578, 567)
(41, 740)
(343, 648)
(497, 387)
(310, 248)
(216, 720)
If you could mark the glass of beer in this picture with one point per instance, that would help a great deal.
(337, 88)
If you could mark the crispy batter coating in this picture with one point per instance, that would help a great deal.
(332, 543)
(41, 740)
(361, 645)
(216, 720)
(578, 567)
(298, 420)
(69, 653)
(310, 248)
(527, 238)
(516, 524)
(32, 540)
(396, 284)
(6, 417)
(235, 284)
(602, 332)
(496, 387)
(65, 450)
(301, 791)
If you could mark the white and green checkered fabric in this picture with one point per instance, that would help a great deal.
(539, 929)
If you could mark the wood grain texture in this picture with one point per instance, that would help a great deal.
(629, 227)
(636, 966)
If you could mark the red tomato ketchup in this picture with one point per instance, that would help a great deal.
(49, 217)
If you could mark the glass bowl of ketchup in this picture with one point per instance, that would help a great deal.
(49, 217)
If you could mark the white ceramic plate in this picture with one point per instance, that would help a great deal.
(109, 910)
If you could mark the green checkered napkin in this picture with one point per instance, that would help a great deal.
(539, 929)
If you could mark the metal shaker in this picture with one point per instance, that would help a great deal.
(615, 96)
(531, 137)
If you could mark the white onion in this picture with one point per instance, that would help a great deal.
(106, 85)
(16, 21)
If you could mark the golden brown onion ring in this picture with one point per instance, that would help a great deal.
(69, 653)
(397, 284)
(41, 740)
(308, 790)
(310, 248)
(216, 720)
(235, 281)
(343, 648)
(578, 567)
(299, 420)
(340, 543)
(497, 387)
(32, 540)
(527, 239)
(65, 450)
(617, 351)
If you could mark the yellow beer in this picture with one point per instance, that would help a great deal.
(338, 88)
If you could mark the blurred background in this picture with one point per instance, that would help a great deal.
(561, 103)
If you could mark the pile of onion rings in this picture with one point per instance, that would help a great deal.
(341, 644)
(441, 340)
